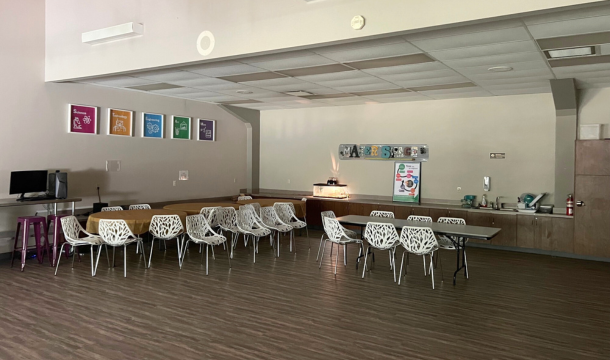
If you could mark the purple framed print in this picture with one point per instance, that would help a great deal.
(82, 119)
(206, 130)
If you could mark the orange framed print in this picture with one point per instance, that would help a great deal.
(120, 122)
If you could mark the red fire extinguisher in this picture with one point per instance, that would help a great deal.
(570, 205)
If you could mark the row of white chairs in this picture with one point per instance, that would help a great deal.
(383, 236)
(250, 221)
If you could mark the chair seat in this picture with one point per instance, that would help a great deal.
(260, 232)
(297, 224)
(232, 229)
(87, 240)
(282, 228)
(347, 240)
(168, 238)
(210, 240)
(350, 233)
(445, 242)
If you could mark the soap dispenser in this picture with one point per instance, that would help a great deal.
(484, 201)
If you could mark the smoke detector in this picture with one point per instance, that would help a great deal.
(298, 93)
(500, 69)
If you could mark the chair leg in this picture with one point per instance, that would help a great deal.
(137, 248)
(92, 261)
(425, 270)
(365, 257)
(465, 264)
(57, 265)
(402, 261)
(319, 247)
(439, 258)
(124, 260)
(144, 252)
(74, 254)
(321, 258)
(113, 258)
(230, 258)
(99, 252)
(345, 254)
(152, 246)
(206, 258)
(390, 256)
(336, 259)
(107, 257)
(392, 253)
(432, 268)
(213, 256)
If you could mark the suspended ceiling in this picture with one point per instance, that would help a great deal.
(440, 64)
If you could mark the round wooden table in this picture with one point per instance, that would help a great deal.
(137, 220)
(299, 206)
(195, 208)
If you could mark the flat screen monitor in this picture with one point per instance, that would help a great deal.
(28, 181)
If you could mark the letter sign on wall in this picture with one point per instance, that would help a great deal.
(414, 152)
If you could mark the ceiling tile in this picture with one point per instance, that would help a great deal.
(521, 91)
(495, 60)
(421, 75)
(351, 82)
(332, 96)
(512, 74)
(517, 80)
(485, 50)
(451, 88)
(358, 45)
(521, 66)
(176, 91)
(293, 63)
(591, 11)
(119, 81)
(521, 85)
(225, 68)
(473, 39)
(367, 53)
(393, 61)
(252, 77)
(466, 29)
(570, 27)
(475, 94)
(402, 99)
(274, 57)
(198, 95)
(167, 75)
(158, 87)
(354, 74)
(585, 60)
(316, 70)
(367, 87)
(199, 81)
(241, 101)
(391, 92)
(429, 82)
(402, 69)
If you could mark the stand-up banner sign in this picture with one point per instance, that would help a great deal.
(407, 182)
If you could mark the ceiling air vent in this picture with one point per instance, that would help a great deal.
(299, 93)
(570, 53)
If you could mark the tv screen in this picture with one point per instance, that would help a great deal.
(28, 181)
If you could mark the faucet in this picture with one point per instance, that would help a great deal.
(498, 205)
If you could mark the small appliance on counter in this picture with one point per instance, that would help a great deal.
(529, 203)
(332, 181)
(468, 201)
(328, 190)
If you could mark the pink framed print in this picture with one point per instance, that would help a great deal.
(82, 119)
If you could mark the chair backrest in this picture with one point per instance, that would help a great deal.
(382, 214)
(139, 207)
(71, 228)
(245, 218)
(227, 218)
(115, 232)
(257, 208)
(211, 215)
(112, 208)
(244, 198)
(450, 220)
(333, 229)
(419, 218)
(284, 212)
(327, 214)
(270, 218)
(197, 227)
(418, 240)
(382, 236)
(166, 226)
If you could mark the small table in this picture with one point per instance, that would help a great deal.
(459, 231)
(137, 220)
(195, 208)
(299, 206)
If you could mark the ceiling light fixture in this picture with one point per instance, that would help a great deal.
(244, 92)
(112, 33)
(298, 93)
(568, 53)
(500, 69)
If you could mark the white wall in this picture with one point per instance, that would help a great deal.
(594, 108)
(34, 132)
(240, 27)
(300, 145)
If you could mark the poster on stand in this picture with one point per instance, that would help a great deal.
(82, 119)
(181, 127)
(407, 182)
(152, 125)
(207, 130)
(120, 122)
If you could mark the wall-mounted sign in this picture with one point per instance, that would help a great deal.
(181, 127)
(120, 122)
(497, 155)
(83, 119)
(415, 152)
(152, 125)
(407, 182)
(207, 130)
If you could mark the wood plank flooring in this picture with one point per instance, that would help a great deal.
(514, 306)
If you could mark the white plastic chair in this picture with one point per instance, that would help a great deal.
(139, 207)
(419, 218)
(418, 241)
(239, 198)
(112, 208)
(446, 242)
(166, 227)
(337, 235)
(116, 233)
(381, 236)
(200, 232)
(285, 211)
(349, 233)
(382, 214)
(274, 223)
(250, 226)
(227, 220)
(72, 230)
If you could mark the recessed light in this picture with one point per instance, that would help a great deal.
(244, 92)
(298, 93)
(500, 69)
(573, 52)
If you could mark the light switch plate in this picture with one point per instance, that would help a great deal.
(183, 175)
(113, 165)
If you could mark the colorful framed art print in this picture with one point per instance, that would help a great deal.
(153, 126)
(206, 130)
(82, 119)
(120, 122)
(407, 182)
(181, 127)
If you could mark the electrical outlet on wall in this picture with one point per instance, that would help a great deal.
(174, 182)
(459, 188)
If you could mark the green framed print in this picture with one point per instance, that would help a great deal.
(181, 127)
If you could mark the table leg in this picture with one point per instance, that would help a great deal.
(55, 209)
(73, 207)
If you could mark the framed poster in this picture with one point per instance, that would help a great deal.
(120, 122)
(206, 130)
(181, 127)
(82, 119)
(407, 182)
(153, 126)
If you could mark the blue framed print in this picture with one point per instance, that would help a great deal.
(153, 125)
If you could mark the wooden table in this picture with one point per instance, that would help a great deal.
(453, 232)
(299, 206)
(137, 220)
(13, 202)
(195, 208)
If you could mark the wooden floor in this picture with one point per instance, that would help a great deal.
(514, 306)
